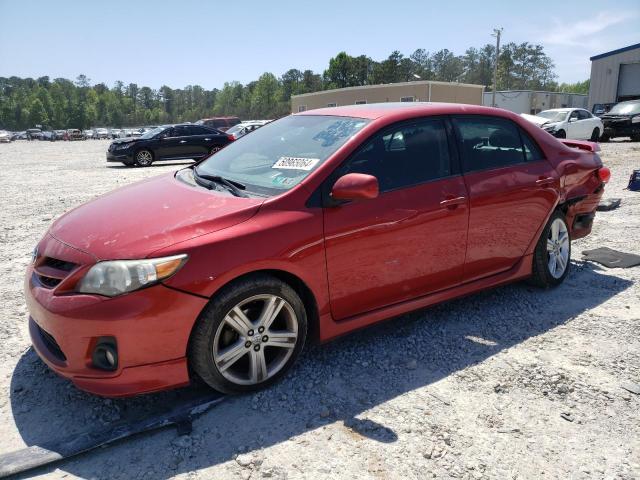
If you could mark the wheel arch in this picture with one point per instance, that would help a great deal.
(294, 281)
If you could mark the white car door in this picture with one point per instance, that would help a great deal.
(591, 123)
(573, 125)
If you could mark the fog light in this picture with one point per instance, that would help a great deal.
(105, 355)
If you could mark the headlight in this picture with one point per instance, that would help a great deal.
(550, 128)
(123, 146)
(635, 119)
(116, 277)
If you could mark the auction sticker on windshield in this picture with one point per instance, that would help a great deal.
(295, 163)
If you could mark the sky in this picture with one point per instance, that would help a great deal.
(189, 42)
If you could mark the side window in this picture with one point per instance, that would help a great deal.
(532, 152)
(404, 155)
(575, 115)
(196, 130)
(583, 115)
(169, 132)
(181, 131)
(488, 142)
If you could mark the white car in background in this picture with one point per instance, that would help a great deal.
(5, 137)
(101, 133)
(573, 123)
(248, 126)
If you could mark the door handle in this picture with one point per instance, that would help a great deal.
(453, 202)
(183, 141)
(543, 182)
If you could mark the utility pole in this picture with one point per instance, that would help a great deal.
(496, 33)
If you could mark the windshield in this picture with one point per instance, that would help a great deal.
(554, 115)
(152, 133)
(280, 155)
(626, 108)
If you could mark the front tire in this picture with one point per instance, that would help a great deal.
(561, 134)
(249, 335)
(551, 258)
(144, 158)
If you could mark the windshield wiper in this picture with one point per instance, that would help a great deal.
(233, 186)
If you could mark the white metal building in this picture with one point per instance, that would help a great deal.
(615, 76)
(533, 101)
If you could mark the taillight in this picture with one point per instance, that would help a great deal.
(231, 137)
(604, 174)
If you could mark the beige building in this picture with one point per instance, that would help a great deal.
(615, 76)
(420, 91)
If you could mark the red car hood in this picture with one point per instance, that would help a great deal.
(134, 221)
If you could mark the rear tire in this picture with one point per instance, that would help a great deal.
(604, 138)
(234, 348)
(595, 135)
(552, 255)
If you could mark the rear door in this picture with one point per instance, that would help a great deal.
(201, 140)
(409, 241)
(587, 124)
(512, 188)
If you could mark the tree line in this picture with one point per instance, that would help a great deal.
(62, 103)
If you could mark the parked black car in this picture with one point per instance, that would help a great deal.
(175, 142)
(623, 120)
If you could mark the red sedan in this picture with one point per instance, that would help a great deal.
(313, 226)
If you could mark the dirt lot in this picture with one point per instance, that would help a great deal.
(511, 383)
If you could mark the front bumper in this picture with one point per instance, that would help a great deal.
(628, 130)
(151, 328)
(123, 157)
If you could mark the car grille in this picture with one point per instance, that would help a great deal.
(618, 121)
(51, 344)
(51, 271)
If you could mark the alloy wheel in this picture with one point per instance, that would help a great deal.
(558, 248)
(144, 158)
(255, 339)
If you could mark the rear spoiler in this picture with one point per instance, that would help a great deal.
(582, 145)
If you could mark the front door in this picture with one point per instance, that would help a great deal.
(512, 189)
(409, 241)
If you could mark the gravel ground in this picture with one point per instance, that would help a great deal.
(511, 383)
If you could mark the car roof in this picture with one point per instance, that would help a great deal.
(402, 109)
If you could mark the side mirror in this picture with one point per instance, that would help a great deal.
(573, 119)
(355, 186)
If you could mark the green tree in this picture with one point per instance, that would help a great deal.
(37, 113)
